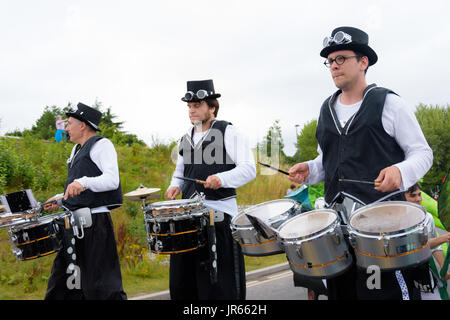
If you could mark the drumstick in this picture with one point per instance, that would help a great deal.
(376, 184)
(273, 168)
(192, 180)
(51, 201)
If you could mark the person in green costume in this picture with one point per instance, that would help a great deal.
(414, 195)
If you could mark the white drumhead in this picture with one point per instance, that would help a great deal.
(267, 210)
(307, 223)
(387, 217)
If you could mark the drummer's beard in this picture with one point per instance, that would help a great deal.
(198, 124)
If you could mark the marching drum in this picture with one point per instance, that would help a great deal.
(253, 242)
(391, 235)
(176, 226)
(314, 244)
(38, 238)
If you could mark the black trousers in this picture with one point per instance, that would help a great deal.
(190, 276)
(97, 262)
(352, 284)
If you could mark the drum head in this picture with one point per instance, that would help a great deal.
(174, 203)
(307, 224)
(271, 209)
(393, 216)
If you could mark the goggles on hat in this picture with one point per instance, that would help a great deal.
(339, 38)
(201, 94)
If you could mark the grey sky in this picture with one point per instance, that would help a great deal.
(136, 56)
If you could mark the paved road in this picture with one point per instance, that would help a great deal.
(278, 286)
(273, 283)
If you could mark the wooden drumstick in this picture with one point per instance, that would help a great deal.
(375, 183)
(51, 201)
(192, 180)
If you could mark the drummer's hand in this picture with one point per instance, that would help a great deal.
(73, 190)
(390, 179)
(447, 277)
(172, 193)
(299, 172)
(51, 206)
(213, 182)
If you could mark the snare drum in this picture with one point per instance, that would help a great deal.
(175, 226)
(39, 238)
(314, 244)
(273, 213)
(391, 235)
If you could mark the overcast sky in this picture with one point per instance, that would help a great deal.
(136, 56)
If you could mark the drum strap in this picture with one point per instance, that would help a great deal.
(402, 283)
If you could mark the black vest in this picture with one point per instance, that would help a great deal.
(82, 165)
(207, 158)
(359, 150)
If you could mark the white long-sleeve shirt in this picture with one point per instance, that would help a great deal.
(104, 155)
(399, 122)
(238, 148)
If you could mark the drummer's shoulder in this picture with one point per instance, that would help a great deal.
(103, 144)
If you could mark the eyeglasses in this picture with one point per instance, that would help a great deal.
(201, 94)
(339, 38)
(339, 60)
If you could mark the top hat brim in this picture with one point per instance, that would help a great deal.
(213, 96)
(362, 48)
(79, 117)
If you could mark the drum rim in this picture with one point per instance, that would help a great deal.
(396, 232)
(40, 221)
(247, 210)
(311, 235)
(174, 204)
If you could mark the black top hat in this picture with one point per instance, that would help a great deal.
(193, 88)
(86, 114)
(351, 39)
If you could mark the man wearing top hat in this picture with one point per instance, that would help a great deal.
(365, 132)
(93, 181)
(215, 151)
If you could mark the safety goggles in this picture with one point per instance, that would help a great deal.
(339, 38)
(201, 94)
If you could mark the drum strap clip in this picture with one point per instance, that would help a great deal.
(82, 218)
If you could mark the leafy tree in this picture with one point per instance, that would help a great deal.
(307, 142)
(272, 141)
(435, 124)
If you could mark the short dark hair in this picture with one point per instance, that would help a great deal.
(213, 103)
(413, 188)
(359, 56)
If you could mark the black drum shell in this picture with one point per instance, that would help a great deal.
(35, 240)
(176, 236)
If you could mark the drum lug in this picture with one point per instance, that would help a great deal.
(386, 246)
(298, 250)
(424, 235)
(351, 239)
(335, 236)
(158, 245)
(18, 253)
(156, 227)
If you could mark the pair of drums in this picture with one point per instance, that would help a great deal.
(390, 235)
(175, 226)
